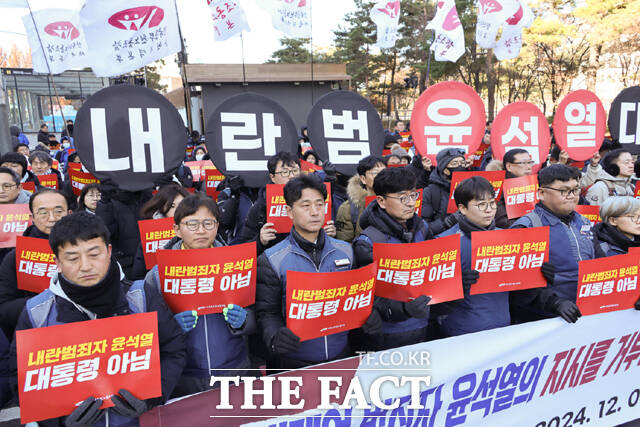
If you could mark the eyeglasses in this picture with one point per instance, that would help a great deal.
(529, 163)
(44, 212)
(194, 224)
(406, 198)
(289, 172)
(564, 193)
(634, 218)
(8, 187)
(487, 206)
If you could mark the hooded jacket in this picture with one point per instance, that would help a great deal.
(607, 185)
(435, 199)
(344, 222)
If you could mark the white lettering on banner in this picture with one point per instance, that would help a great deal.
(625, 109)
(447, 134)
(270, 131)
(515, 132)
(579, 135)
(346, 149)
(101, 144)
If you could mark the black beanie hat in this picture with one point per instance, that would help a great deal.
(15, 158)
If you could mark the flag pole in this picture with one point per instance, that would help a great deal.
(244, 73)
(182, 58)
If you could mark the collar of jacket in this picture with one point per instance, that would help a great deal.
(327, 247)
(356, 192)
(33, 231)
(440, 179)
(306, 245)
(467, 226)
(552, 217)
(380, 219)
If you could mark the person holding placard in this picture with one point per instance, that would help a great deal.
(620, 227)
(90, 285)
(215, 342)
(391, 218)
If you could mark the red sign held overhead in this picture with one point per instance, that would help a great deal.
(579, 124)
(521, 125)
(309, 167)
(34, 264)
(496, 178)
(520, 195)
(448, 115)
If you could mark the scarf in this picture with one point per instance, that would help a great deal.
(467, 226)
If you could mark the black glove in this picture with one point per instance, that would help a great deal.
(284, 341)
(567, 310)
(235, 184)
(450, 220)
(548, 271)
(86, 414)
(329, 170)
(418, 308)
(469, 277)
(128, 405)
(373, 325)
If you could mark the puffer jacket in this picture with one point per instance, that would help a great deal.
(607, 186)
(345, 221)
(435, 199)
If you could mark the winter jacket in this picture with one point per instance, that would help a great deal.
(234, 210)
(256, 218)
(271, 304)
(12, 299)
(23, 197)
(350, 211)
(43, 138)
(422, 176)
(570, 242)
(607, 186)
(379, 227)
(30, 177)
(502, 220)
(609, 241)
(212, 345)
(435, 199)
(134, 298)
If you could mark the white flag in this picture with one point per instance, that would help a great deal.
(386, 14)
(124, 35)
(13, 4)
(492, 14)
(62, 39)
(510, 42)
(229, 19)
(448, 43)
(292, 17)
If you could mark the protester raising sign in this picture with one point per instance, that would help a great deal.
(199, 168)
(154, 235)
(579, 124)
(509, 260)
(496, 178)
(308, 167)
(277, 208)
(520, 195)
(207, 280)
(79, 179)
(592, 213)
(404, 275)
(608, 284)
(60, 366)
(34, 264)
(14, 219)
(320, 304)
(213, 178)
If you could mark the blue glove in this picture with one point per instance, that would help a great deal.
(235, 315)
(187, 320)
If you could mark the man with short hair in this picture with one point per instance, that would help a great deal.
(90, 285)
(11, 191)
(18, 163)
(215, 342)
(360, 186)
(42, 164)
(43, 135)
(47, 207)
(517, 163)
(391, 218)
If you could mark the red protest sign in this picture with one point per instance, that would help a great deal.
(154, 235)
(637, 191)
(213, 177)
(447, 115)
(29, 186)
(320, 304)
(79, 179)
(579, 124)
(49, 180)
(34, 264)
(207, 280)
(277, 208)
(14, 220)
(509, 260)
(308, 167)
(608, 284)
(403, 275)
(60, 366)
(496, 178)
(75, 165)
(521, 125)
(55, 164)
(520, 195)
(199, 168)
(591, 212)
(478, 155)
(405, 139)
(418, 211)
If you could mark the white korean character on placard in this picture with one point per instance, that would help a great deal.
(171, 286)
(205, 285)
(596, 289)
(607, 287)
(578, 134)
(297, 311)
(42, 379)
(530, 197)
(520, 198)
(188, 286)
(401, 278)
(62, 375)
(151, 247)
(385, 275)
(87, 369)
(51, 270)
(585, 290)
(140, 363)
(249, 128)
(482, 265)
(331, 307)
(511, 200)
(362, 300)
(339, 130)
(448, 132)
(515, 132)
(508, 263)
(625, 109)
(314, 310)
(39, 269)
(417, 277)
(20, 227)
(25, 266)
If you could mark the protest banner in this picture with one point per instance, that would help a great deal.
(320, 304)
(636, 192)
(154, 235)
(435, 127)
(520, 195)
(531, 374)
(591, 212)
(307, 167)
(478, 155)
(213, 178)
(418, 211)
(60, 366)
(293, 18)
(579, 124)
(406, 271)
(624, 123)
(75, 165)
(29, 186)
(496, 178)
(608, 284)
(207, 280)
(386, 15)
(14, 220)
(509, 260)
(79, 179)
(49, 180)
(343, 128)
(448, 43)
(34, 264)
(229, 19)
(244, 132)
(277, 208)
(198, 169)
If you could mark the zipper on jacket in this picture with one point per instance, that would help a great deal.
(575, 238)
(326, 349)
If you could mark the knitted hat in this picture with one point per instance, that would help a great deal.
(15, 158)
(444, 157)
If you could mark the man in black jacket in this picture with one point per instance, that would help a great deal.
(90, 285)
(47, 207)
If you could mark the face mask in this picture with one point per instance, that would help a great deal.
(199, 156)
(457, 169)
(66, 145)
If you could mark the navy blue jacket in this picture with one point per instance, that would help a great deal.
(435, 199)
